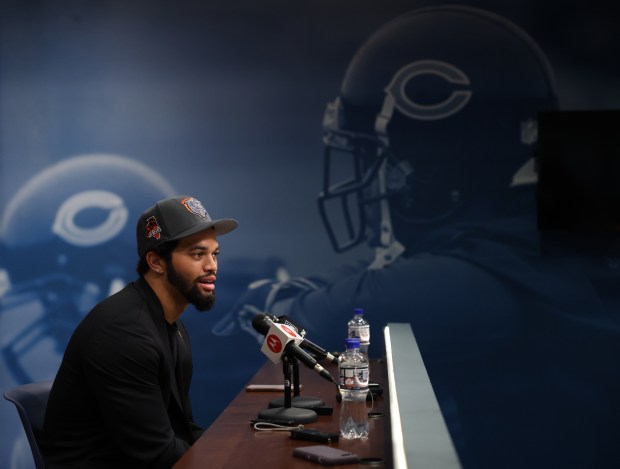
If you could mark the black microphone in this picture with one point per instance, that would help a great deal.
(305, 344)
(263, 325)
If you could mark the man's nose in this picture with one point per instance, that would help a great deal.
(210, 263)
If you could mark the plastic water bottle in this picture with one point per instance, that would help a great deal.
(353, 385)
(360, 328)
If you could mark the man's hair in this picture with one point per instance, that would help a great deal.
(164, 251)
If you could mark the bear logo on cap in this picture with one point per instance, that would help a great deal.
(195, 207)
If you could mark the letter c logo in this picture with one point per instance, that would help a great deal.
(453, 104)
(66, 227)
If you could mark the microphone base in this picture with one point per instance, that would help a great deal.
(303, 402)
(294, 414)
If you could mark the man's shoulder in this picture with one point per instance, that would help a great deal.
(136, 294)
(126, 309)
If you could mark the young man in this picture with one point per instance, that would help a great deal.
(121, 395)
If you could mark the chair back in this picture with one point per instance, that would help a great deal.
(31, 401)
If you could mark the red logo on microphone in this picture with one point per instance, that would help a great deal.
(274, 343)
(288, 330)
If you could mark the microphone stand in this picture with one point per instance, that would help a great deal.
(303, 402)
(288, 413)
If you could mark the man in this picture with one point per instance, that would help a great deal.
(121, 395)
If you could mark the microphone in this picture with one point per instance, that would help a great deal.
(305, 344)
(281, 339)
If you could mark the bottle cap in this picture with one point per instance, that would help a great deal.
(358, 311)
(353, 342)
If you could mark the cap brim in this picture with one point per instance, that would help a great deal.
(220, 227)
(224, 226)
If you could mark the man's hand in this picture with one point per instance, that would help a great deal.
(259, 298)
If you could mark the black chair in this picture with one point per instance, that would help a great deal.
(31, 400)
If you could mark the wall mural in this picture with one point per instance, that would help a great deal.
(376, 155)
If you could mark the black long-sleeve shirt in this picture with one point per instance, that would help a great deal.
(120, 399)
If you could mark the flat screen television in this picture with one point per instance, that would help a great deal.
(578, 165)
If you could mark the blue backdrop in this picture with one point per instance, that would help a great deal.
(128, 102)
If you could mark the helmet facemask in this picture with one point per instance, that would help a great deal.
(435, 115)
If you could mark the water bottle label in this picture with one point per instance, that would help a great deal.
(353, 378)
(361, 332)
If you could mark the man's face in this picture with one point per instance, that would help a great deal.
(193, 268)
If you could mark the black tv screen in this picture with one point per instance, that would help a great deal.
(578, 165)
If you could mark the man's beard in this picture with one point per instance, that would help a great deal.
(192, 292)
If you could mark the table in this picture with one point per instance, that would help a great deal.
(231, 442)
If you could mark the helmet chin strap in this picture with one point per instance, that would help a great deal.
(390, 248)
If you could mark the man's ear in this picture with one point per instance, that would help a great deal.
(155, 262)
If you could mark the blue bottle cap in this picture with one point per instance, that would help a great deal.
(358, 311)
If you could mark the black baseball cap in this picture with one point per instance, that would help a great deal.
(176, 218)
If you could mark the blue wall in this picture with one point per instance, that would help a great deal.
(222, 100)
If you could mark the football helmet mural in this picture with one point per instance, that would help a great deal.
(68, 241)
(435, 118)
